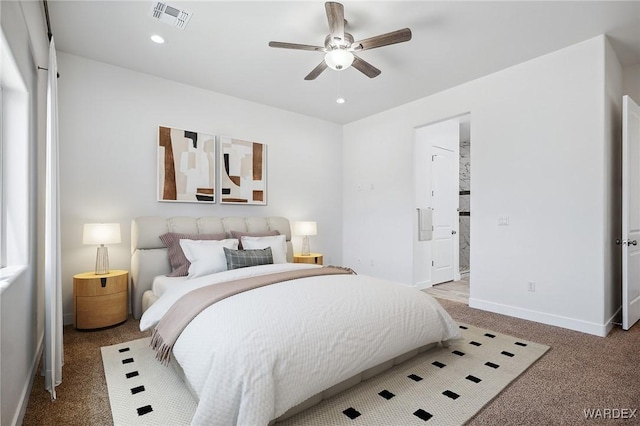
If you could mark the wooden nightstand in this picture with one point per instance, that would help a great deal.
(315, 258)
(100, 300)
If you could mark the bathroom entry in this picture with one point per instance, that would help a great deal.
(442, 185)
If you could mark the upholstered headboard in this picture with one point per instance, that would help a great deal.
(149, 255)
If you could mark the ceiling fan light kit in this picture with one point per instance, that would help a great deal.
(338, 59)
(339, 46)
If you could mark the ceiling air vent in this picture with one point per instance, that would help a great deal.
(170, 15)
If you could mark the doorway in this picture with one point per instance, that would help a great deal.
(443, 189)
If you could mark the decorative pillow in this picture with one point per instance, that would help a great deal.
(179, 263)
(239, 235)
(277, 243)
(206, 256)
(242, 258)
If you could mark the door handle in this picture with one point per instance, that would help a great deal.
(633, 243)
(453, 232)
(629, 243)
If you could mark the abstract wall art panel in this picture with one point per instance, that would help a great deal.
(186, 166)
(243, 172)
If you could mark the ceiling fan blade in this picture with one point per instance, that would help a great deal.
(316, 71)
(295, 46)
(393, 37)
(335, 16)
(365, 67)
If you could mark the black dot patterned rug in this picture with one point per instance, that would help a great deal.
(443, 386)
(141, 390)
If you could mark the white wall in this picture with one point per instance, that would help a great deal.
(109, 119)
(537, 157)
(631, 82)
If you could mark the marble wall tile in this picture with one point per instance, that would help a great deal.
(465, 166)
(464, 259)
(465, 205)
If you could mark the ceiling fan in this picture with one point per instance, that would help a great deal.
(339, 46)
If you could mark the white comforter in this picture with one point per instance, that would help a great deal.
(253, 356)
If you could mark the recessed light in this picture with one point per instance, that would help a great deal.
(341, 100)
(157, 39)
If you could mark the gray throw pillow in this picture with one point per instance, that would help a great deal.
(242, 258)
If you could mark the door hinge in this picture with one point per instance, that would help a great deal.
(433, 263)
(433, 193)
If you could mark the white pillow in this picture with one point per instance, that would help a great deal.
(206, 256)
(278, 244)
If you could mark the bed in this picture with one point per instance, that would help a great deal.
(266, 354)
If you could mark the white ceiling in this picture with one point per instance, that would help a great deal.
(224, 47)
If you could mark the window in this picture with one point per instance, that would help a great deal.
(14, 161)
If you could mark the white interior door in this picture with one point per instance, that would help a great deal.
(630, 212)
(444, 202)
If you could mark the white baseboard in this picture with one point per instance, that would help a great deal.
(423, 284)
(26, 390)
(616, 318)
(67, 319)
(542, 317)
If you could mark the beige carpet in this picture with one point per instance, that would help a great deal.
(579, 372)
(443, 386)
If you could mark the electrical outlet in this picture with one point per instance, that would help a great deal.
(531, 286)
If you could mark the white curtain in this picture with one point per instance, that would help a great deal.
(53, 353)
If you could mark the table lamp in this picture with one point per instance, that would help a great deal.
(101, 234)
(305, 229)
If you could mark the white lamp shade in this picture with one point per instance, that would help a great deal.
(339, 59)
(101, 233)
(305, 228)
